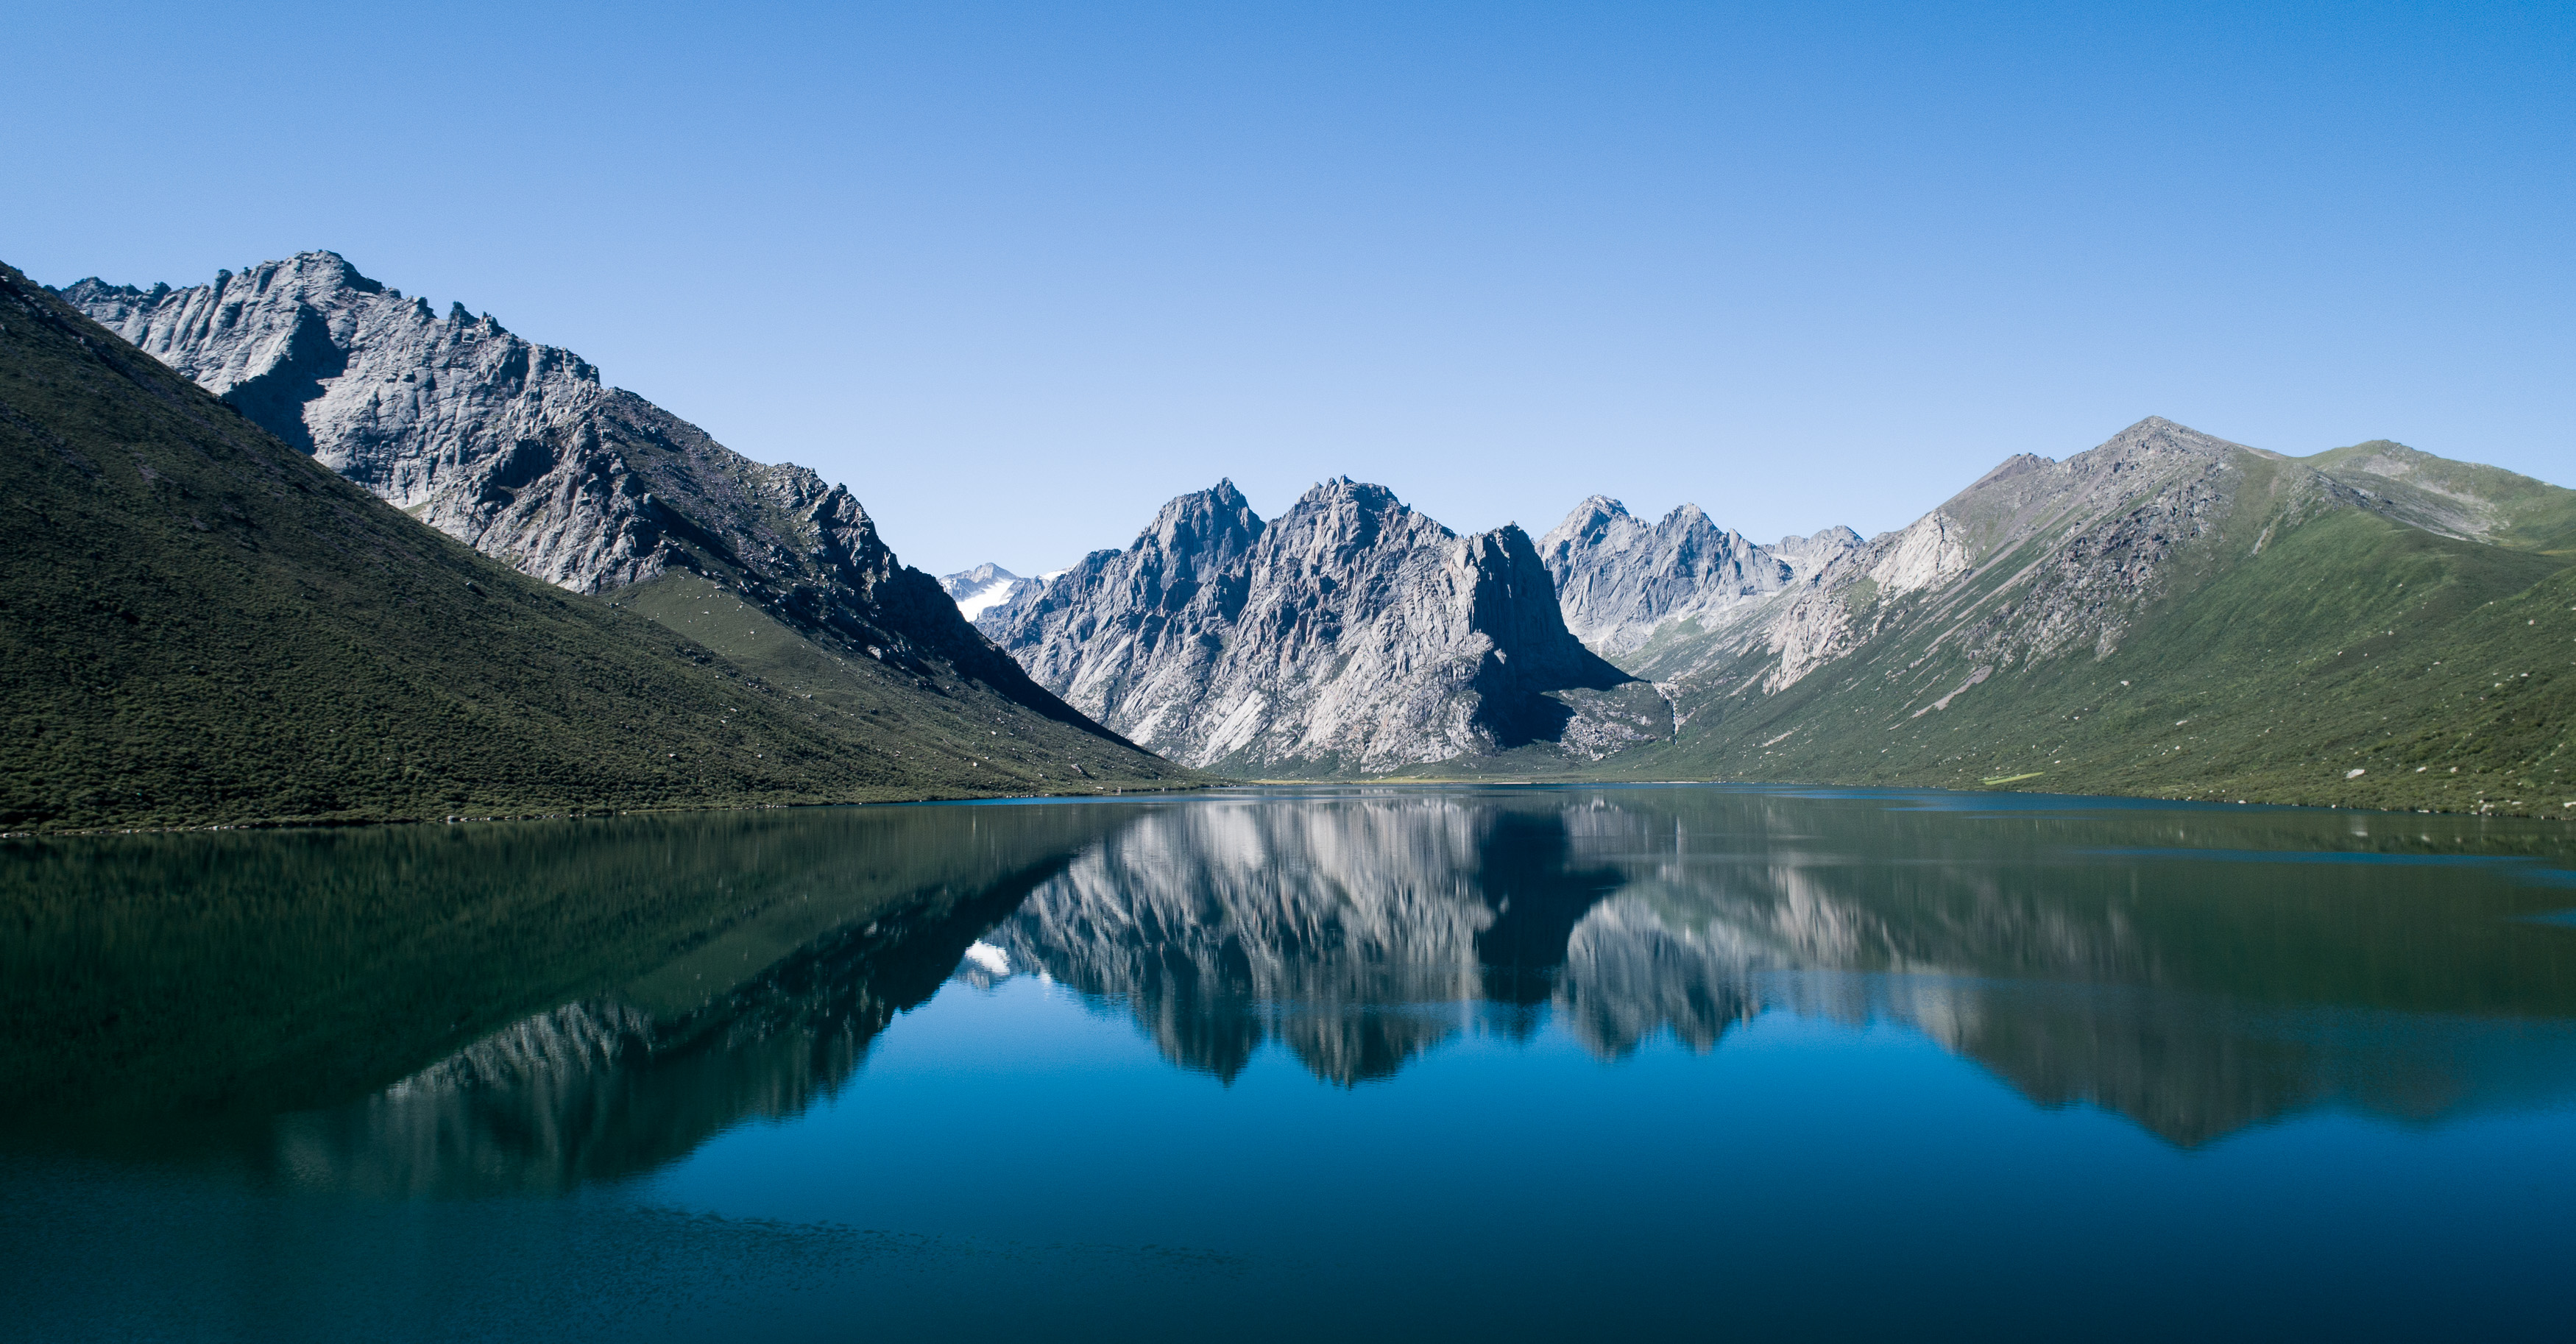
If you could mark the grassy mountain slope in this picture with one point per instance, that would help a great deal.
(2168, 615)
(968, 734)
(206, 626)
(2175, 616)
(2439, 668)
(2461, 499)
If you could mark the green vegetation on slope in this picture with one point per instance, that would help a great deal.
(2440, 669)
(981, 740)
(2490, 503)
(205, 626)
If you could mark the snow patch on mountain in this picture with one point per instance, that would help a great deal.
(985, 587)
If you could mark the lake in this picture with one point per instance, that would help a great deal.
(1475, 1063)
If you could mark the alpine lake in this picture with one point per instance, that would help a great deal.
(1497, 1063)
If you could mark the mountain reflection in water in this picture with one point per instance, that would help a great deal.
(602, 1089)
(2194, 997)
(2151, 960)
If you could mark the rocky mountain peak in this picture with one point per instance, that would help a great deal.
(2024, 491)
(981, 574)
(1808, 556)
(1590, 521)
(2156, 437)
(1217, 521)
(1351, 633)
(1340, 518)
(519, 450)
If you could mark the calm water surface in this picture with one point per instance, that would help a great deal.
(1478, 1063)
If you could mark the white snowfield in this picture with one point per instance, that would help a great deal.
(985, 587)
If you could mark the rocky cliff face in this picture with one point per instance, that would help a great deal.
(1350, 634)
(518, 450)
(1619, 579)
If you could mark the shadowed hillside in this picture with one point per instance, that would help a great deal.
(207, 626)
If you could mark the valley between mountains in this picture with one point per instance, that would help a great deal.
(298, 548)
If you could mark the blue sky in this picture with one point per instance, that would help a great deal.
(1018, 273)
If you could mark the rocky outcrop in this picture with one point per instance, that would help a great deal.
(1619, 579)
(1808, 556)
(1352, 634)
(519, 450)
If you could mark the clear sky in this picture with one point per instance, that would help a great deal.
(1018, 273)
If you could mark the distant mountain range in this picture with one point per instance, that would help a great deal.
(1619, 580)
(2167, 614)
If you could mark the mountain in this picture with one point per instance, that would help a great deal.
(1620, 579)
(2167, 614)
(1350, 635)
(983, 588)
(519, 451)
(2456, 499)
(206, 626)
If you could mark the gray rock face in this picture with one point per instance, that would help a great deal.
(1808, 556)
(519, 451)
(1619, 579)
(1352, 634)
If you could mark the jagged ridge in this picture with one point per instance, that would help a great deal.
(518, 450)
(1620, 579)
(1351, 634)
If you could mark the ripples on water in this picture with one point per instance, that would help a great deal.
(1514, 1062)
